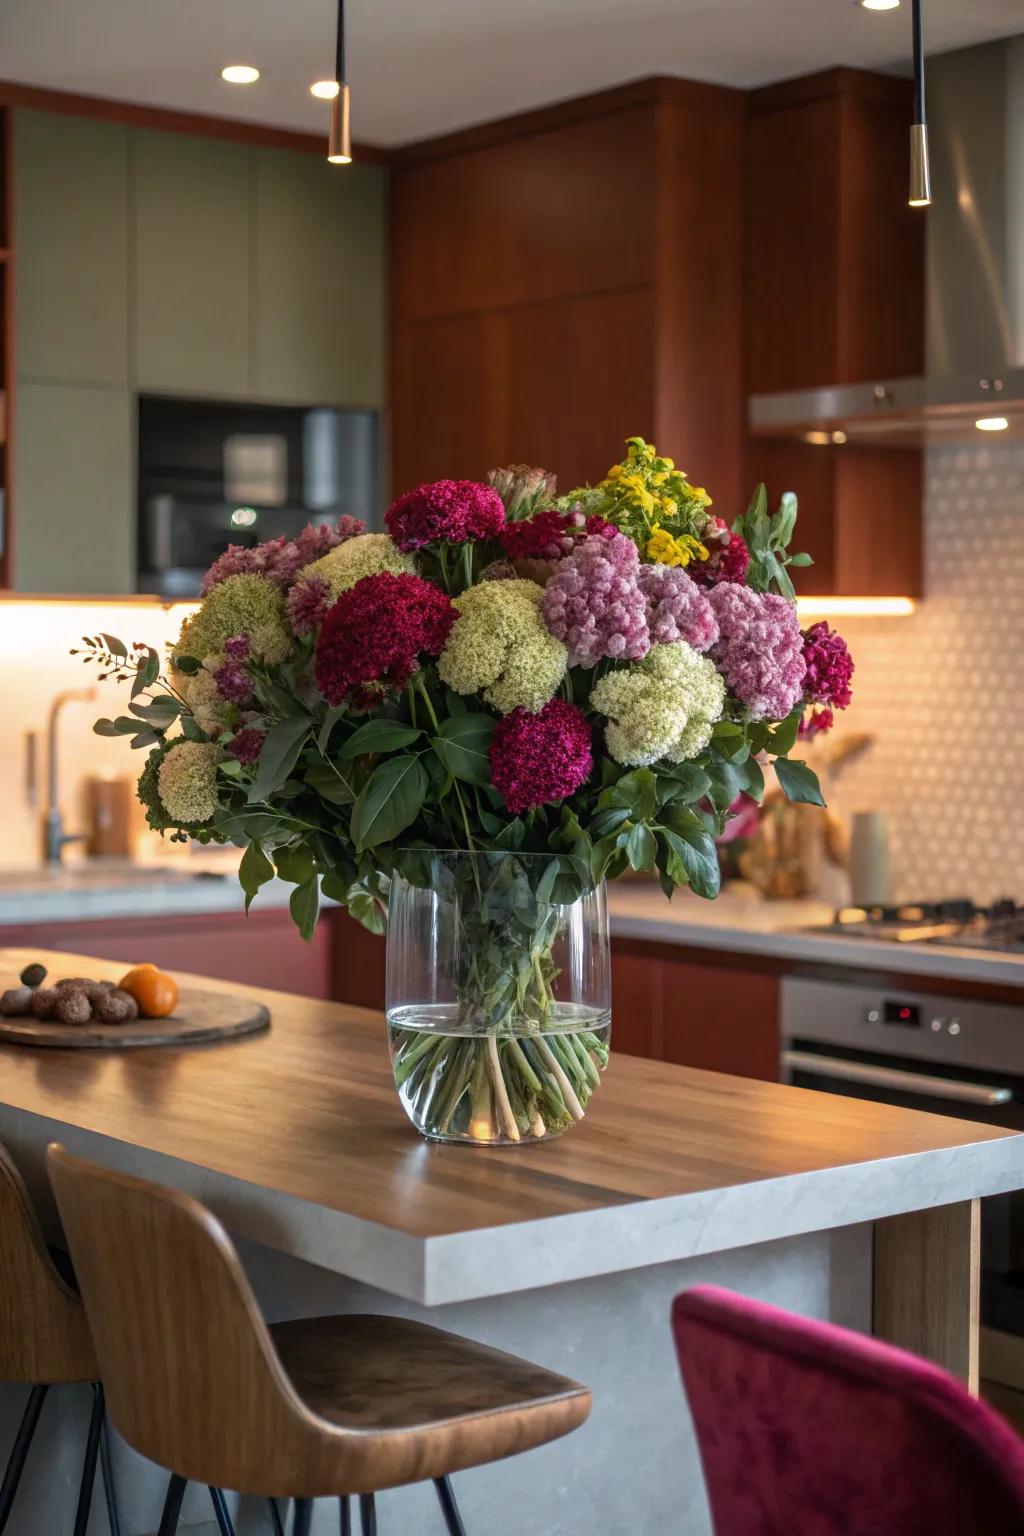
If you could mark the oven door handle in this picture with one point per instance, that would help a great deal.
(899, 1082)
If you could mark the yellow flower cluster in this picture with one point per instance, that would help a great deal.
(368, 554)
(500, 646)
(187, 781)
(246, 604)
(665, 706)
(665, 549)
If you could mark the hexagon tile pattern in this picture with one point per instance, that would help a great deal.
(941, 691)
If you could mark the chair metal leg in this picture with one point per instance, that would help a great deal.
(275, 1517)
(345, 1508)
(367, 1514)
(19, 1451)
(303, 1517)
(107, 1469)
(449, 1508)
(220, 1509)
(172, 1505)
(89, 1464)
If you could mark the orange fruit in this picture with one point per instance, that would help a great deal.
(155, 992)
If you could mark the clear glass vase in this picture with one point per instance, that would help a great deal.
(498, 994)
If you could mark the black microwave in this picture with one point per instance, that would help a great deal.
(214, 473)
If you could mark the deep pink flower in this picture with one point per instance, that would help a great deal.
(728, 556)
(307, 604)
(759, 651)
(241, 559)
(449, 510)
(544, 536)
(677, 609)
(375, 634)
(247, 745)
(829, 666)
(593, 602)
(816, 722)
(543, 758)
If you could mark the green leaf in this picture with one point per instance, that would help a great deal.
(145, 738)
(378, 736)
(463, 745)
(331, 719)
(801, 559)
(115, 646)
(304, 905)
(160, 713)
(641, 847)
(105, 728)
(389, 802)
(784, 521)
(783, 738)
(330, 783)
(125, 725)
(695, 851)
(254, 870)
(146, 672)
(686, 784)
(637, 792)
(546, 883)
(278, 755)
(367, 910)
(191, 730)
(188, 665)
(294, 863)
(755, 779)
(799, 782)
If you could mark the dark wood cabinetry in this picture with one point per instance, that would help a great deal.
(566, 277)
(835, 295)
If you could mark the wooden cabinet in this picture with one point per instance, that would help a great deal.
(568, 277)
(357, 963)
(71, 225)
(192, 263)
(835, 295)
(319, 269)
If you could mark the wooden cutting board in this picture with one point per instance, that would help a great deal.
(199, 1018)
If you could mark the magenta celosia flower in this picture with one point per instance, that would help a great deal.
(593, 602)
(307, 603)
(281, 559)
(543, 758)
(449, 510)
(374, 635)
(545, 536)
(816, 722)
(728, 556)
(759, 650)
(829, 666)
(233, 682)
(677, 609)
(247, 745)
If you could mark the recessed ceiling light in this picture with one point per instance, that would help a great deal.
(992, 424)
(325, 89)
(240, 74)
(879, 5)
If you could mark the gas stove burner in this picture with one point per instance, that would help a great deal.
(958, 921)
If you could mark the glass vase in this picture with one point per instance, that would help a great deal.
(498, 994)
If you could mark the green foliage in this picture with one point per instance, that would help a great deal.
(768, 538)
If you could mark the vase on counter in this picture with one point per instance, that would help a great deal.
(498, 994)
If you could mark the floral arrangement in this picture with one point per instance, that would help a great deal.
(598, 676)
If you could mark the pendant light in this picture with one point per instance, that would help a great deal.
(920, 167)
(339, 142)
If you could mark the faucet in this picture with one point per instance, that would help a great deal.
(55, 838)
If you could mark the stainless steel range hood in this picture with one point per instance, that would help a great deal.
(974, 316)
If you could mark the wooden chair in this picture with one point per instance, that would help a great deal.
(327, 1406)
(44, 1342)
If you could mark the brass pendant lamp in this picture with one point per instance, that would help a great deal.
(339, 140)
(920, 166)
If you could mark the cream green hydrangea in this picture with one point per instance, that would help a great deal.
(664, 706)
(187, 781)
(366, 555)
(500, 646)
(247, 604)
(200, 693)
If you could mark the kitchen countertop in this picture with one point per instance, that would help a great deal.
(297, 1140)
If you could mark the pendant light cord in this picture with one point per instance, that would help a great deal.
(339, 54)
(918, 30)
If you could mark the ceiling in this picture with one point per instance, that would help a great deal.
(420, 67)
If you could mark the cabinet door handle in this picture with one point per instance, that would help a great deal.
(892, 1078)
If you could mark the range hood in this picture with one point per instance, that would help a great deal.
(974, 315)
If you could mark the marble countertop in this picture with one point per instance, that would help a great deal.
(297, 1140)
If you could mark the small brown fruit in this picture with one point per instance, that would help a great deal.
(115, 1007)
(72, 1006)
(16, 1000)
(44, 1001)
(33, 975)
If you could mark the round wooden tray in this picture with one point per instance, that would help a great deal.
(200, 1017)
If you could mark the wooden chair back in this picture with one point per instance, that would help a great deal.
(191, 1376)
(44, 1334)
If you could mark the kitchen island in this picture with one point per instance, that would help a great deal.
(568, 1252)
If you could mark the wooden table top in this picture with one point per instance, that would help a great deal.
(296, 1137)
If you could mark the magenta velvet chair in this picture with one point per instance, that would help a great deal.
(806, 1429)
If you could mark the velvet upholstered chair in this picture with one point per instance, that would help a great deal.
(807, 1428)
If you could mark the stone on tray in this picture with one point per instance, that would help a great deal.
(44, 1002)
(16, 1001)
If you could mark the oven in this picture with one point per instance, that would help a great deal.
(946, 1055)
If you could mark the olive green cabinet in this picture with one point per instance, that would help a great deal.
(192, 290)
(320, 265)
(71, 247)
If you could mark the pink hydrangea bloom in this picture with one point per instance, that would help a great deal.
(543, 758)
(307, 604)
(593, 602)
(449, 510)
(281, 559)
(829, 666)
(759, 651)
(677, 609)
